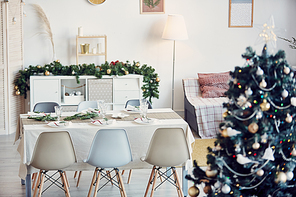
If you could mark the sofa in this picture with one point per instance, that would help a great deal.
(204, 110)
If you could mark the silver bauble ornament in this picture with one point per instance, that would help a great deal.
(285, 93)
(293, 153)
(256, 146)
(259, 71)
(289, 175)
(263, 84)
(281, 177)
(226, 189)
(260, 172)
(289, 118)
(286, 70)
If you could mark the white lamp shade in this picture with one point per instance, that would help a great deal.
(175, 28)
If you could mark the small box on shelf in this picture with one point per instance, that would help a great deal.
(73, 100)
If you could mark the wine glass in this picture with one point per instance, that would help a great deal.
(58, 111)
(144, 109)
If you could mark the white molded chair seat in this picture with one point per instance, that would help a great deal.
(168, 148)
(110, 149)
(46, 107)
(53, 151)
(136, 102)
(87, 104)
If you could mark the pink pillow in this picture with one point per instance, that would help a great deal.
(213, 85)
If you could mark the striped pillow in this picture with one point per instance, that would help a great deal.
(213, 85)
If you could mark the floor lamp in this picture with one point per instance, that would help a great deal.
(175, 29)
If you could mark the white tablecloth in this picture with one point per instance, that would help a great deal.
(82, 135)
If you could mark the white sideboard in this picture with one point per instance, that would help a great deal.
(115, 90)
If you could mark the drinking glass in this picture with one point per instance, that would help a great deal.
(144, 109)
(102, 107)
(58, 111)
(143, 102)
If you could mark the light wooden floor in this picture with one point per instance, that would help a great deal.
(10, 182)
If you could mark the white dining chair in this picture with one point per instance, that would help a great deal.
(46, 107)
(136, 102)
(53, 151)
(168, 148)
(110, 149)
(87, 104)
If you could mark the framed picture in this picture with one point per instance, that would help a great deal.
(152, 6)
(241, 13)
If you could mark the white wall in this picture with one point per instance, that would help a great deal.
(211, 47)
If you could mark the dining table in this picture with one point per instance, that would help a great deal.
(82, 133)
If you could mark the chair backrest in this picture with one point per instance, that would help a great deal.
(87, 104)
(53, 151)
(110, 149)
(168, 147)
(46, 107)
(136, 102)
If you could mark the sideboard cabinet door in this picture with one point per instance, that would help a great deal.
(44, 90)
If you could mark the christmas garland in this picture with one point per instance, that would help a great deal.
(150, 78)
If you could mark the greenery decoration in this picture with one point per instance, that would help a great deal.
(150, 78)
(43, 118)
(82, 116)
(292, 42)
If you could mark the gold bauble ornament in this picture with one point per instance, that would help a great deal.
(38, 66)
(17, 92)
(193, 191)
(126, 72)
(207, 189)
(225, 114)
(108, 71)
(137, 64)
(16, 87)
(157, 79)
(26, 69)
(265, 106)
(57, 60)
(281, 177)
(225, 133)
(211, 173)
(47, 73)
(253, 127)
(144, 90)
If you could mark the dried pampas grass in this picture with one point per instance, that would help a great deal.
(45, 23)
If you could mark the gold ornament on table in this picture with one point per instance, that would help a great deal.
(17, 92)
(108, 71)
(253, 127)
(265, 106)
(157, 79)
(126, 72)
(193, 191)
(47, 73)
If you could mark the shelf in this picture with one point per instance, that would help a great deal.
(92, 54)
(99, 36)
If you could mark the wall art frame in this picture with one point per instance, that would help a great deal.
(152, 6)
(241, 13)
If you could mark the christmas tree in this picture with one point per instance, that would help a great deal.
(254, 154)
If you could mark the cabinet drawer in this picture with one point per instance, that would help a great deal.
(120, 97)
(126, 84)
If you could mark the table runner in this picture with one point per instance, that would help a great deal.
(131, 117)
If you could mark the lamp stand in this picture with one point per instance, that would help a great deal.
(173, 78)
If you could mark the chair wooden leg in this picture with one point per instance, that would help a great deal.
(41, 184)
(122, 172)
(34, 178)
(153, 184)
(67, 179)
(122, 185)
(179, 190)
(37, 183)
(66, 186)
(150, 178)
(92, 182)
(75, 174)
(97, 184)
(109, 175)
(119, 183)
(129, 176)
(78, 180)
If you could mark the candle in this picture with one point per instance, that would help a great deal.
(94, 50)
(99, 48)
(80, 31)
